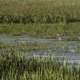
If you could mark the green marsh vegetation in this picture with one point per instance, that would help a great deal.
(43, 30)
(37, 18)
(14, 66)
(40, 18)
(41, 11)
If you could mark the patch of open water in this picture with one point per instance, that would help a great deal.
(65, 51)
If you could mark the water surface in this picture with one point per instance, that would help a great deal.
(66, 51)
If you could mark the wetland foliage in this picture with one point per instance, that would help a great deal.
(55, 19)
(14, 66)
(55, 31)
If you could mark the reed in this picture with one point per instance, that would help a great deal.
(14, 66)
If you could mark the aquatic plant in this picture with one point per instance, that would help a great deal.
(13, 66)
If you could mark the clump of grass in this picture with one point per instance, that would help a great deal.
(30, 19)
(13, 66)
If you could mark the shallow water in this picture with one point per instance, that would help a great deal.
(65, 51)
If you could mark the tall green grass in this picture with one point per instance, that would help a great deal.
(41, 11)
(13, 66)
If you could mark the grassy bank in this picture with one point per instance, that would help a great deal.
(43, 30)
(15, 67)
(41, 11)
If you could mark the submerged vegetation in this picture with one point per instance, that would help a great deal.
(14, 66)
